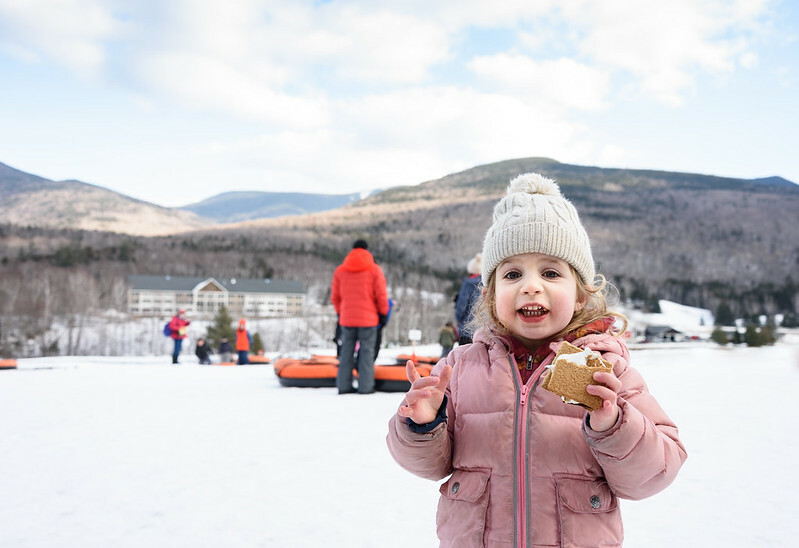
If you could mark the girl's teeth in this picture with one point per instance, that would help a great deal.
(533, 311)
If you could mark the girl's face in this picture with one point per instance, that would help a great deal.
(536, 296)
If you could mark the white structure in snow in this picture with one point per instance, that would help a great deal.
(263, 298)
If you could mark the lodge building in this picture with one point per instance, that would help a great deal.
(261, 298)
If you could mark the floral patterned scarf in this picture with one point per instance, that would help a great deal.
(529, 362)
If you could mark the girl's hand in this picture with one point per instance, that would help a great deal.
(422, 401)
(606, 416)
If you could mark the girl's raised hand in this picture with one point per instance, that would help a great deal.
(422, 401)
(606, 416)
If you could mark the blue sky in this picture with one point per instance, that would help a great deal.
(175, 101)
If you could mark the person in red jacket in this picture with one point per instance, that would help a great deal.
(360, 297)
(243, 341)
(179, 331)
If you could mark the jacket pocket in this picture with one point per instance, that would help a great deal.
(588, 513)
(463, 508)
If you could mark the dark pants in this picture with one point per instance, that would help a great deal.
(176, 350)
(367, 337)
(244, 357)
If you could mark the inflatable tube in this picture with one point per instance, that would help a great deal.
(8, 364)
(417, 360)
(313, 372)
(321, 371)
(258, 359)
(392, 378)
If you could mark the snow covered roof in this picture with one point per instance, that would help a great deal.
(233, 285)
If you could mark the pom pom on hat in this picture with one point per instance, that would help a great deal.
(534, 217)
(475, 265)
(534, 183)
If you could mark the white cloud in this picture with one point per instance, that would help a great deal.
(406, 137)
(563, 83)
(384, 47)
(664, 44)
(209, 83)
(70, 31)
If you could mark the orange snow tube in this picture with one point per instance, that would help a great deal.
(8, 364)
(314, 372)
(392, 378)
(417, 360)
(258, 359)
(321, 371)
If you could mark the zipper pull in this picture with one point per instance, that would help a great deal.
(523, 395)
(529, 362)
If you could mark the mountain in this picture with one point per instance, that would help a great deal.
(244, 206)
(30, 200)
(694, 239)
(698, 240)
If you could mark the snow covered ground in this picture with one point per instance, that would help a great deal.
(133, 452)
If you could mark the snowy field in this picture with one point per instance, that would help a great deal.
(134, 452)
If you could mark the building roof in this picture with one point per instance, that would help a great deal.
(233, 285)
(661, 330)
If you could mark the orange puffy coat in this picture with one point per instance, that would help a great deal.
(359, 291)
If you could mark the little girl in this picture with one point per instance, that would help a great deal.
(525, 468)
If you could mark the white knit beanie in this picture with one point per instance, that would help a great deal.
(534, 217)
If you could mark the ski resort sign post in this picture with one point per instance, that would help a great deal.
(413, 336)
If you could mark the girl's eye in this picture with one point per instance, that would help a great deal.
(551, 274)
(512, 275)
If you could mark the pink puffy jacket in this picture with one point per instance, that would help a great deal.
(524, 468)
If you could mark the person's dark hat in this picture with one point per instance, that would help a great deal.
(360, 244)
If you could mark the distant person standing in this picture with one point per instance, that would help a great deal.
(446, 338)
(179, 331)
(360, 297)
(243, 342)
(467, 297)
(225, 350)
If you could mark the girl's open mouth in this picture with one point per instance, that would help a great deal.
(534, 311)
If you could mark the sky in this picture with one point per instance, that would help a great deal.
(174, 101)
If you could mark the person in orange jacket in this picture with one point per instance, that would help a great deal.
(359, 295)
(243, 342)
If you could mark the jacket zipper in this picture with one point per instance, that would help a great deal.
(521, 453)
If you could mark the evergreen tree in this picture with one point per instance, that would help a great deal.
(719, 336)
(257, 344)
(222, 327)
(724, 315)
(790, 319)
(754, 336)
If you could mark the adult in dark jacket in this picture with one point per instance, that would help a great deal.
(359, 294)
(179, 331)
(225, 350)
(467, 297)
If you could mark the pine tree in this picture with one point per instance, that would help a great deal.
(753, 336)
(719, 336)
(257, 344)
(221, 328)
(724, 315)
